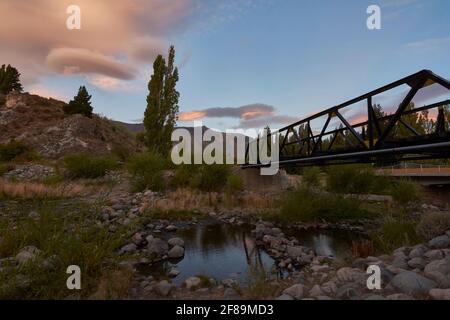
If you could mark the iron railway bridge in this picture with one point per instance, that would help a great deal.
(357, 132)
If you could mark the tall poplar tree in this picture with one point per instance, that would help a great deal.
(162, 104)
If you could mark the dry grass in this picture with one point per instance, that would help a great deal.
(114, 285)
(33, 190)
(188, 199)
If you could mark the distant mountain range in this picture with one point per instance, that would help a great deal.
(139, 127)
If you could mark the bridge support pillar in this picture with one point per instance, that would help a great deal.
(254, 181)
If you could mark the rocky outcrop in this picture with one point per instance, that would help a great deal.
(42, 125)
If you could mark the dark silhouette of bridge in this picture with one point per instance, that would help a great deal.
(359, 131)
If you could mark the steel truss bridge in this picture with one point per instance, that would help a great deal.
(374, 138)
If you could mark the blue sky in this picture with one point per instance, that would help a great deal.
(296, 56)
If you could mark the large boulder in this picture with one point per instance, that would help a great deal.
(176, 252)
(412, 283)
(439, 271)
(157, 247)
(439, 242)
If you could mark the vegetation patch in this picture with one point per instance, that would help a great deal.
(146, 171)
(395, 233)
(89, 166)
(62, 240)
(304, 204)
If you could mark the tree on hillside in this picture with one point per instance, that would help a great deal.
(9, 79)
(81, 103)
(162, 104)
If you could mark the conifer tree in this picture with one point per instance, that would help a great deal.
(9, 79)
(81, 103)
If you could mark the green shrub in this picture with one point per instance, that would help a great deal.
(89, 166)
(184, 174)
(433, 224)
(146, 171)
(12, 150)
(404, 191)
(211, 177)
(356, 179)
(311, 177)
(234, 184)
(4, 168)
(122, 151)
(304, 204)
(395, 234)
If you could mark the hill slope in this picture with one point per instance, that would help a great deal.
(42, 124)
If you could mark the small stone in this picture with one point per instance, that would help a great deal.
(440, 294)
(171, 228)
(375, 297)
(296, 291)
(28, 253)
(229, 283)
(129, 248)
(137, 238)
(192, 283)
(417, 262)
(285, 296)
(434, 255)
(163, 288)
(439, 242)
(399, 296)
(315, 291)
(173, 273)
(176, 242)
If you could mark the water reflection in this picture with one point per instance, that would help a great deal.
(219, 251)
(336, 244)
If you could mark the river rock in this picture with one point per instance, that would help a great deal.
(157, 247)
(440, 294)
(192, 283)
(285, 296)
(315, 291)
(417, 263)
(296, 291)
(173, 273)
(163, 288)
(439, 271)
(176, 252)
(176, 242)
(171, 228)
(399, 296)
(412, 283)
(348, 291)
(348, 274)
(417, 251)
(434, 255)
(439, 242)
(129, 248)
(294, 252)
(137, 238)
(28, 253)
(400, 261)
